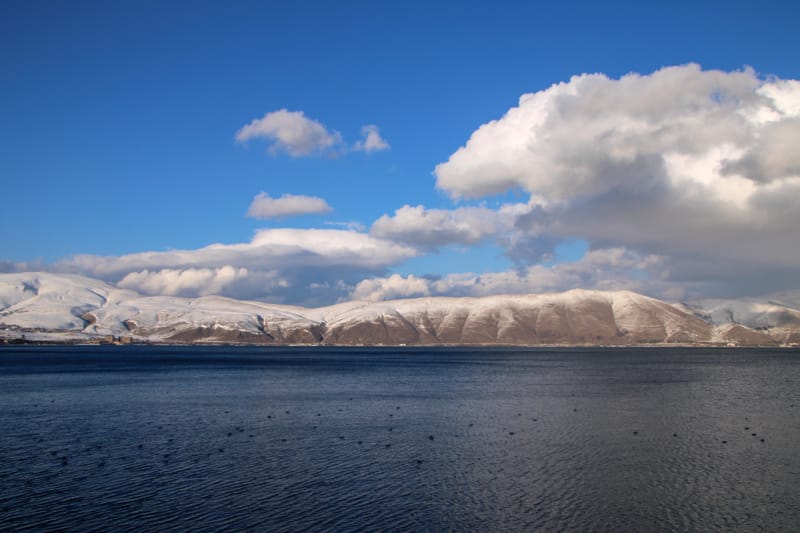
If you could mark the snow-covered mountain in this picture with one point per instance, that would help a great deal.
(44, 306)
(753, 318)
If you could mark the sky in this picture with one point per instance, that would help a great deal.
(313, 152)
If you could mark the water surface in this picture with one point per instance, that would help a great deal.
(132, 438)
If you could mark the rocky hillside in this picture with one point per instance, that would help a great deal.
(43, 306)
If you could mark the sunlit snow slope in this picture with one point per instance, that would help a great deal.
(44, 306)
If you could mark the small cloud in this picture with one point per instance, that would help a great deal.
(351, 225)
(394, 286)
(264, 206)
(299, 136)
(372, 142)
(431, 228)
(291, 132)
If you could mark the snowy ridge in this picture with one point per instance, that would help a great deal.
(44, 306)
(777, 321)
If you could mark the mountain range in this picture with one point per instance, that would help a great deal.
(40, 306)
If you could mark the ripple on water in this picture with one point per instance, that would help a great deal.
(521, 441)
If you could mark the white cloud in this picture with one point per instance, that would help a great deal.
(291, 132)
(394, 286)
(772, 156)
(352, 225)
(299, 136)
(606, 269)
(278, 265)
(698, 167)
(428, 228)
(372, 142)
(593, 134)
(194, 281)
(269, 248)
(264, 206)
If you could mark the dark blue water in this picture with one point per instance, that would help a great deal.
(132, 438)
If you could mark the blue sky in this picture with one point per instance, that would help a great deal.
(119, 124)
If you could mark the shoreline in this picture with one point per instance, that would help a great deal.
(90, 343)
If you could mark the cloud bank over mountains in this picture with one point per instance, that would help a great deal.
(606, 269)
(682, 182)
(283, 265)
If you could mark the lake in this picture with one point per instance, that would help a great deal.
(352, 439)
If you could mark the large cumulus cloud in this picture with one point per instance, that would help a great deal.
(699, 167)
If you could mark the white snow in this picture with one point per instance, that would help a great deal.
(59, 306)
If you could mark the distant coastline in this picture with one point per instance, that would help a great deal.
(18, 341)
